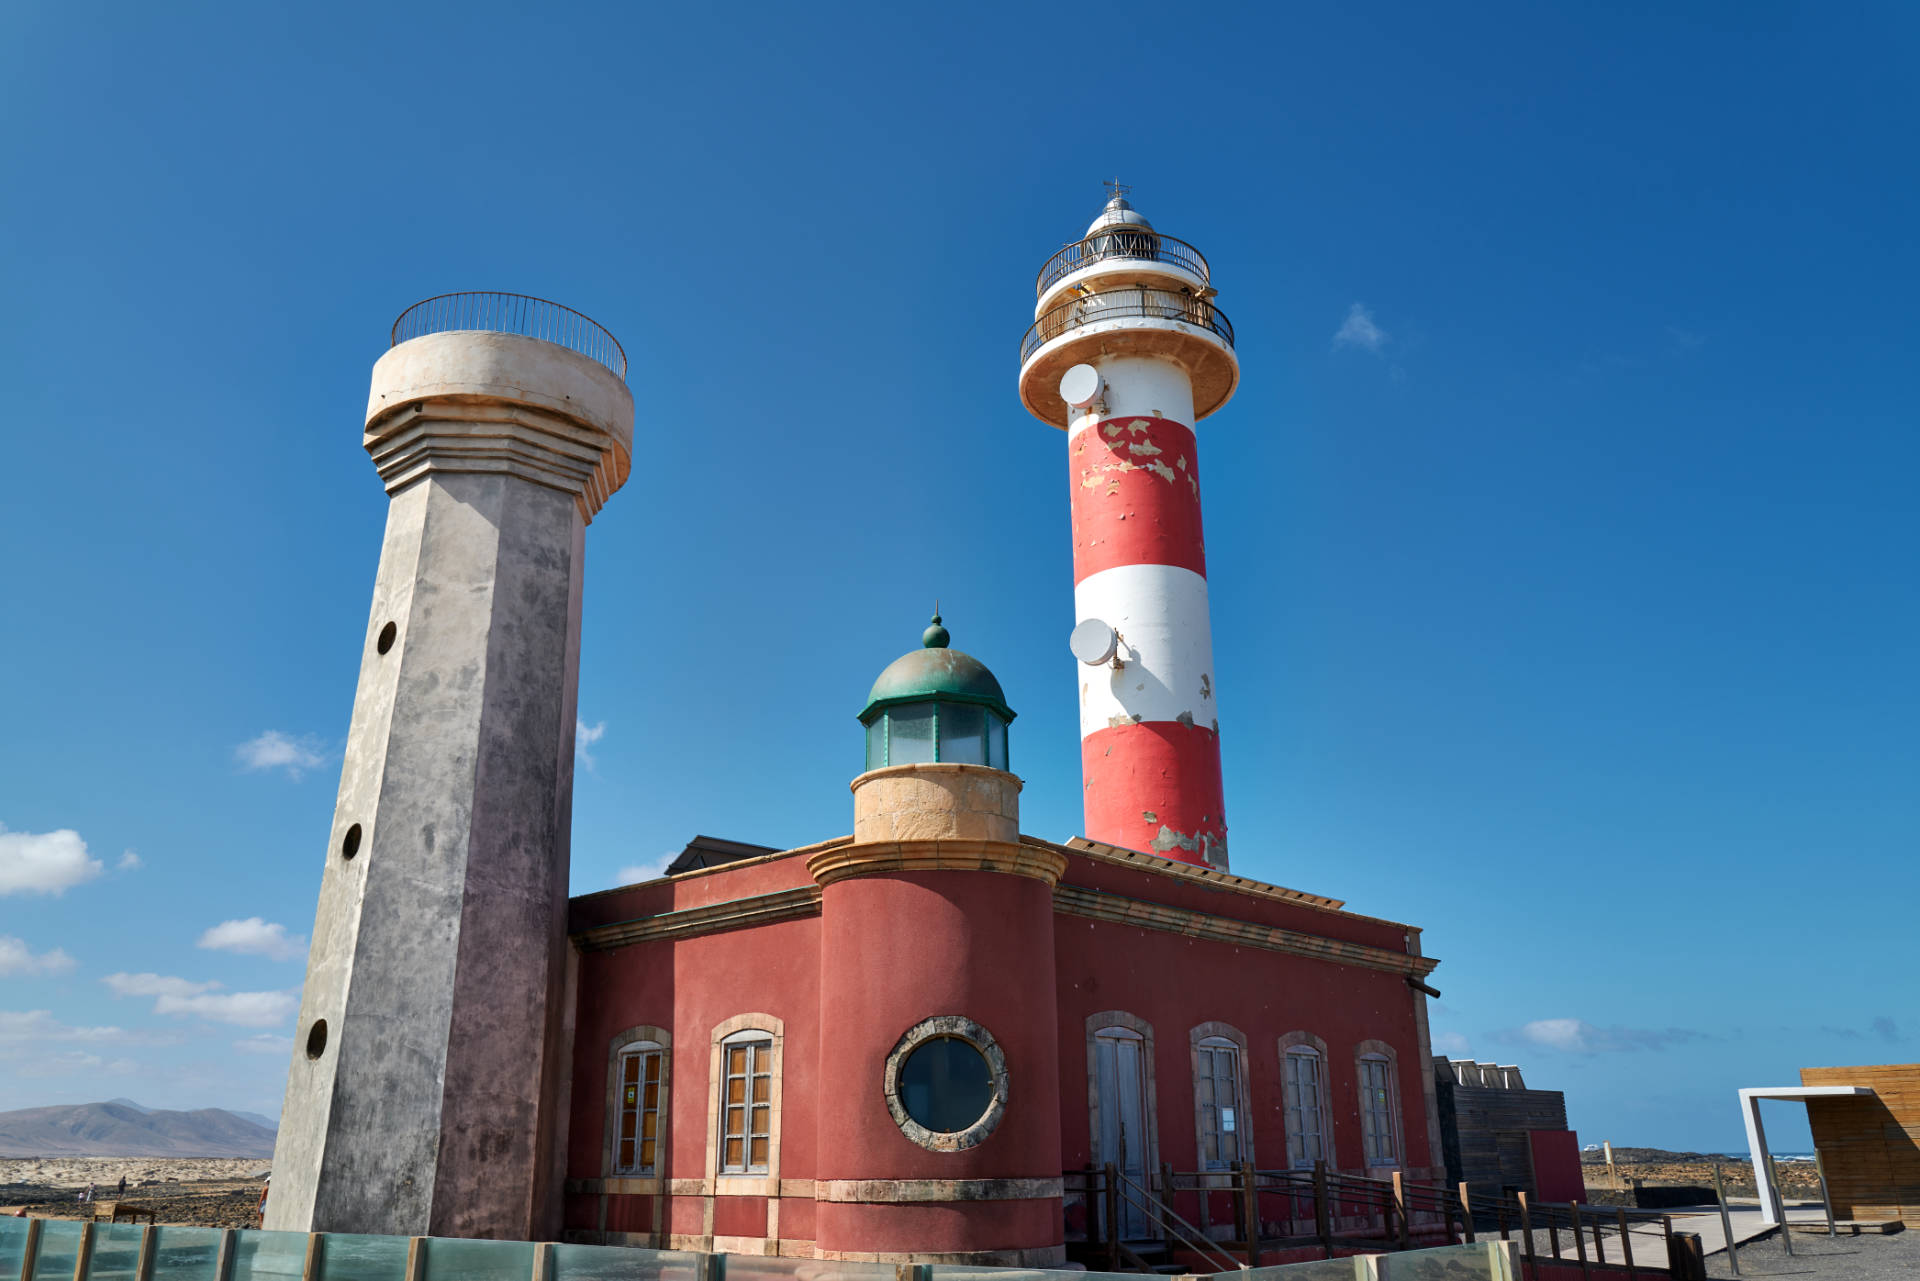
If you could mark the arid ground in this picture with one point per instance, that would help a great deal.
(212, 1192)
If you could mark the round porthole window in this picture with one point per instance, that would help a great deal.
(946, 1083)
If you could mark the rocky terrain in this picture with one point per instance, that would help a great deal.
(203, 1192)
(1657, 1167)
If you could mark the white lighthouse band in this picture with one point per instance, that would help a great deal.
(1165, 671)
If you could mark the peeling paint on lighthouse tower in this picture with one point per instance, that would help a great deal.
(1127, 353)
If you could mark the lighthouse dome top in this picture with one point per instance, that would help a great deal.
(1118, 213)
(936, 672)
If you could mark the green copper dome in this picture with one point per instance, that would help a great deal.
(935, 672)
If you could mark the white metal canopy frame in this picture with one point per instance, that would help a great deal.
(1771, 1208)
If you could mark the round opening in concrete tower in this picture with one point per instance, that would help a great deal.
(317, 1039)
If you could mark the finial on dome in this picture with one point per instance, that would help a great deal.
(936, 636)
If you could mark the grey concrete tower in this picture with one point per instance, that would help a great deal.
(428, 1093)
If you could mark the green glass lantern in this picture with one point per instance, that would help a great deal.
(936, 705)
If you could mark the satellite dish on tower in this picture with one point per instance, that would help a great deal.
(1080, 385)
(1094, 642)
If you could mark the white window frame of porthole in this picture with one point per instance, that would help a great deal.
(746, 1181)
(1379, 1052)
(634, 1041)
(1305, 1045)
(1238, 1120)
(960, 1028)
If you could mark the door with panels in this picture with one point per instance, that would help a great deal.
(1122, 1138)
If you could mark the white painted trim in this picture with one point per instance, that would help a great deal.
(1757, 1134)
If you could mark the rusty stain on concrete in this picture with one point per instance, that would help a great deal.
(1185, 718)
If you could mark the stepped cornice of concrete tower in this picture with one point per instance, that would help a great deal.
(468, 400)
(1126, 289)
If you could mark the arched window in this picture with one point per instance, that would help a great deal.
(1375, 1068)
(1223, 1126)
(1303, 1073)
(746, 1096)
(638, 1074)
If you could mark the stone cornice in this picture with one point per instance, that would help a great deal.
(711, 918)
(1074, 900)
(468, 434)
(874, 858)
(907, 1191)
(1212, 878)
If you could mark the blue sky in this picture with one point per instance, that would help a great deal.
(1565, 606)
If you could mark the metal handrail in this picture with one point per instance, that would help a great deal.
(1153, 1206)
(1123, 304)
(1121, 242)
(513, 314)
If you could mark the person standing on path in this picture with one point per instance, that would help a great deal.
(123, 1186)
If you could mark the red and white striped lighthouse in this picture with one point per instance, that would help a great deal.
(1127, 353)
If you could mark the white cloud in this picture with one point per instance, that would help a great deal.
(1577, 1036)
(129, 861)
(1359, 330)
(64, 1063)
(1451, 1044)
(636, 872)
(154, 985)
(45, 862)
(274, 750)
(255, 937)
(584, 737)
(242, 1009)
(17, 959)
(17, 1026)
(184, 996)
(265, 1043)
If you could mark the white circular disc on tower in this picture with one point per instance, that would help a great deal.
(1093, 642)
(1079, 385)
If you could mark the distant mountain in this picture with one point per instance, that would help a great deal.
(264, 1121)
(124, 1128)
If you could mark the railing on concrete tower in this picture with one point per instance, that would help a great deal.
(512, 314)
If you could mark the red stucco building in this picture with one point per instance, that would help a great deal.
(895, 1044)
